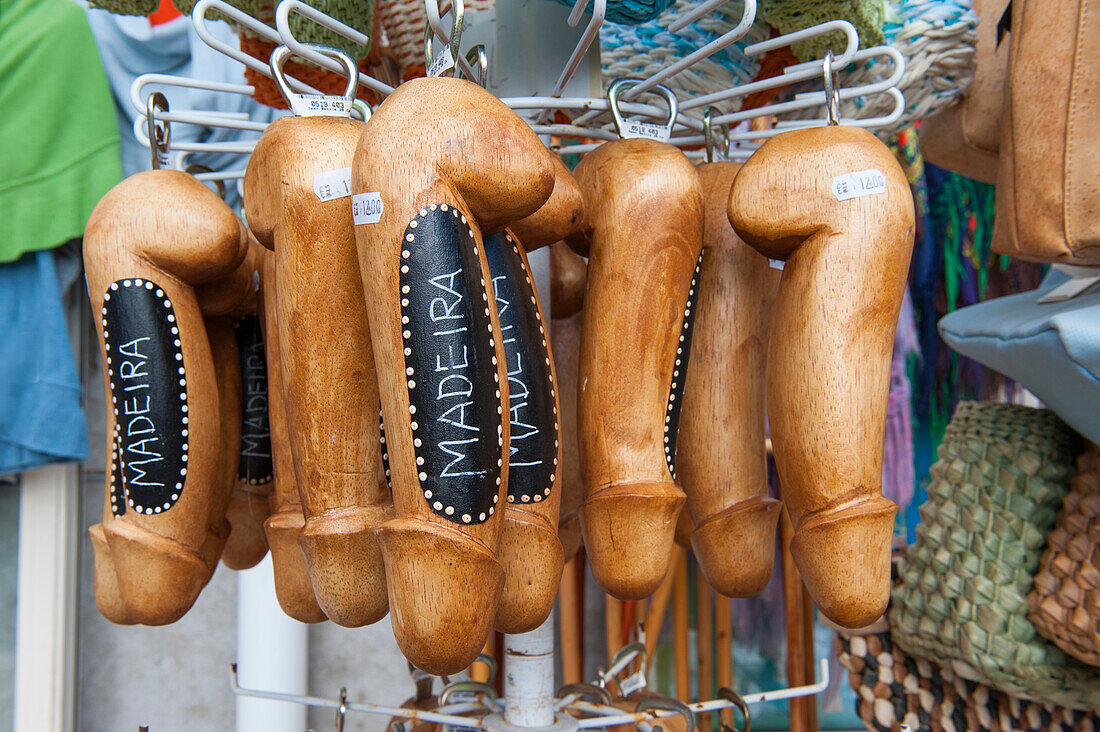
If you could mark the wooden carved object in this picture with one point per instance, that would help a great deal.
(293, 588)
(247, 446)
(558, 217)
(440, 161)
(643, 226)
(149, 242)
(328, 378)
(567, 281)
(720, 457)
(836, 207)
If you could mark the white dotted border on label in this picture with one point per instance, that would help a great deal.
(678, 366)
(526, 498)
(406, 335)
(171, 319)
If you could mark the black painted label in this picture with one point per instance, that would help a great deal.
(533, 406)
(254, 466)
(148, 393)
(679, 371)
(450, 365)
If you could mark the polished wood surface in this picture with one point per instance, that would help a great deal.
(720, 454)
(293, 588)
(329, 380)
(558, 217)
(164, 228)
(643, 228)
(830, 348)
(439, 144)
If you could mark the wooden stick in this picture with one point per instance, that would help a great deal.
(723, 641)
(793, 606)
(704, 604)
(570, 625)
(835, 205)
(329, 383)
(149, 241)
(439, 162)
(643, 228)
(721, 459)
(658, 604)
(292, 586)
(680, 624)
(479, 671)
(613, 625)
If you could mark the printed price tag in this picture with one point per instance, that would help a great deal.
(634, 682)
(861, 183)
(332, 184)
(318, 105)
(164, 160)
(442, 62)
(366, 208)
(635, 129)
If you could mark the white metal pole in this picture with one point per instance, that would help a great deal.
(529, 677)
(272, 654)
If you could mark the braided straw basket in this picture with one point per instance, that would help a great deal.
(1065, 602)
(1000, 479)
(893, 688)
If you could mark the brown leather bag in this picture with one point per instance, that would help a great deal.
(966, 137)
(1048, 188)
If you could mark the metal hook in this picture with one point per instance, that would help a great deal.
(832, 90)
(620, 85)
(732, 696)
(304, 105)
(159, 131)
(476, 55)
(360, 109)
(196, 168)
(600, 694)
(455, 40)
(668, 704)
(342, 710)
(472, 687)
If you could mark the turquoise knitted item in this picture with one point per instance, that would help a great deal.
(629, 12)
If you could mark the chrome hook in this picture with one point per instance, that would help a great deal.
(732, 696)
(633, 129)
(160, 132)
(832, 90)
(342, 710)
(305, 105)
(451, 48)
(668, 704)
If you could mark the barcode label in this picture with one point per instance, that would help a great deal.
(634, 129)
(366, 208)
(332, 184)
(442, 62)
(318, 105)
(859, 184)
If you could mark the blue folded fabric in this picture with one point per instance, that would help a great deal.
(41, 420)
(1052, 349)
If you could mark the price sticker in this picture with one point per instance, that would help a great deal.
(320, 105)
(634, 682)
(776, 264)
(859, 184)
(635, 129)
(332, 184)
(366, 208)
(444, 61)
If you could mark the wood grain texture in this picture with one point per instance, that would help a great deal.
(643, 227)
(720, 454)
(530, 551)
(830, 348)
(438, 147)
(558, 217)
(327, 366)
(567, 281)
(166, 230)
(248, 507)
(293, 588)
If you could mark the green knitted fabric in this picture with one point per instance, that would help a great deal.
(1002, 473)
(125, 7)
(787, 16)
(359, 14)
(186, 6)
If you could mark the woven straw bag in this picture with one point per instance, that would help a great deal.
(893, 688)
(1002, 473)
(1065, 602)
